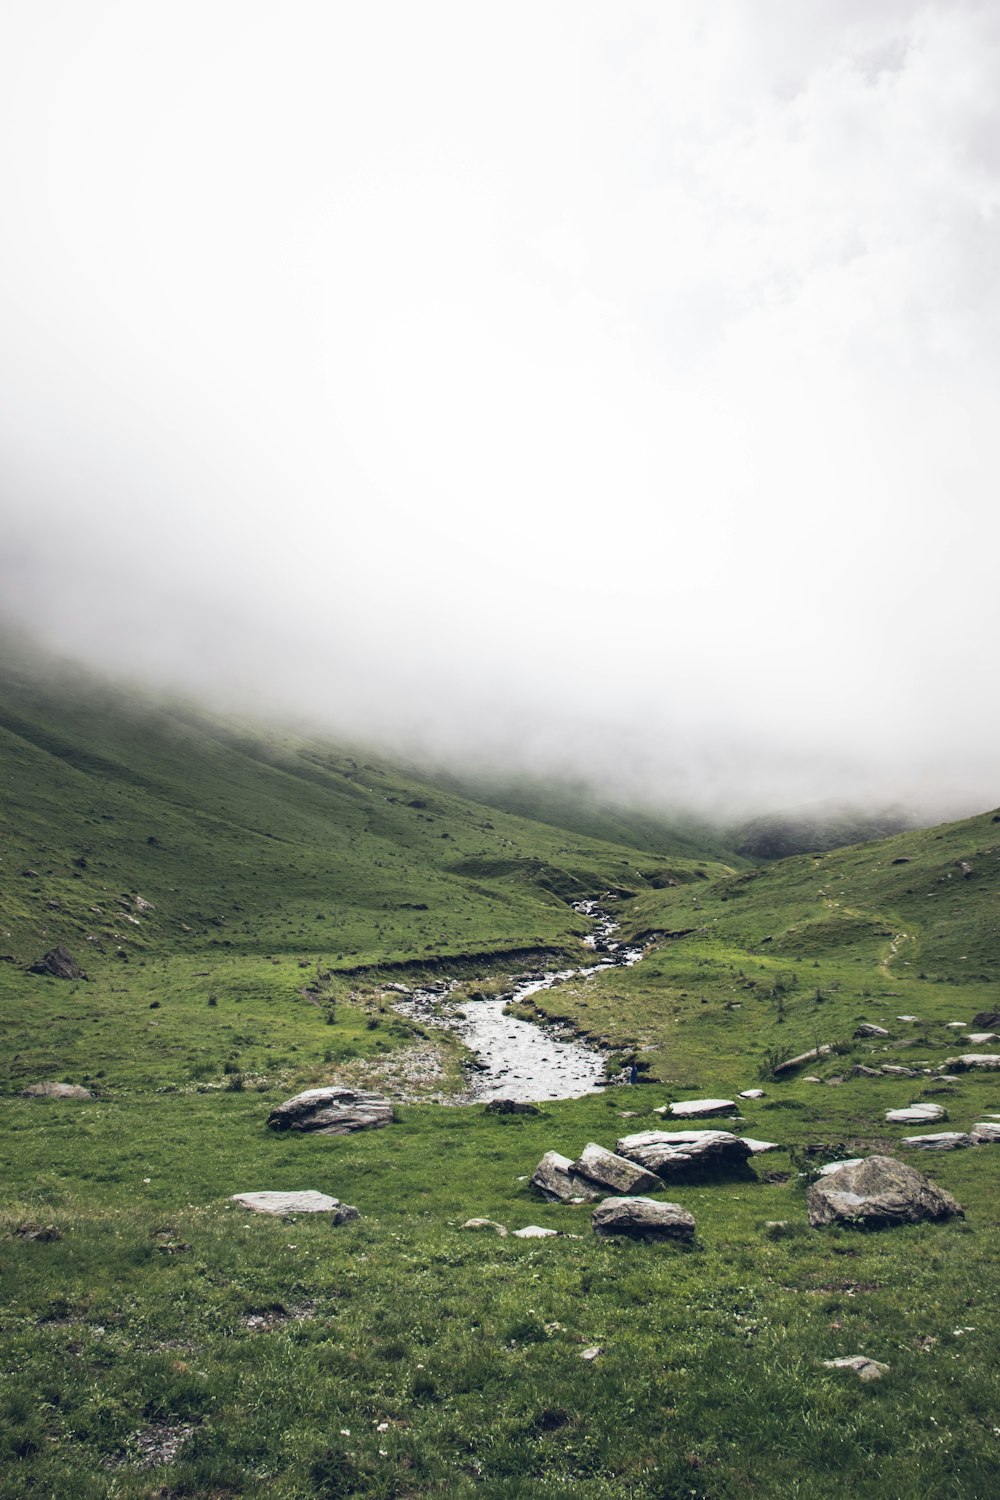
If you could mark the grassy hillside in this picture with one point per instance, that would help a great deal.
(159, 1341)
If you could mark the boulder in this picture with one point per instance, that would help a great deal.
(692, 1109)
(917, 1114)
(555, 1179)
(307, 1202)
(332, 1111)
(751, 1093)
(673, 1152)
(486, 1224)
(986, 1018)
(58, 962)
(868, 1028)
(511, 1107)
(945, 1140)
(893, 1070)
(642, 1219)
(614, 1173)
(877, 1193)
(980, 1038)
(986, 1133)
(987, 1060)
(55, 1091)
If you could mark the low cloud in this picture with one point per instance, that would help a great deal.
(599, 391)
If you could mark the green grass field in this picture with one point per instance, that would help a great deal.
(160, 1341)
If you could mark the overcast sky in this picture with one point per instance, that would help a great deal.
(604, 385)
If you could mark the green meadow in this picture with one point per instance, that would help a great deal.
(239, 898)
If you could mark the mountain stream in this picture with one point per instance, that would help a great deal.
(515, 1059)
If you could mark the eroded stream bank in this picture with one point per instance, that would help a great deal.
(516, 1059)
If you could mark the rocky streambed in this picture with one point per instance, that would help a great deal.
(517, 1059)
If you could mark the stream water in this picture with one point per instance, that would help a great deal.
(515, 1059)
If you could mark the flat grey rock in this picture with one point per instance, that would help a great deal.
(812, 1055)
(916, 1114)
(757, 1148)
(555, 1179)
(868, 1028)
(534, 1232)
(986, 1133)
(642, 1219)
(980, 1037)
(306, 1202)
(987, 1060)
(863, 1367)
(877, 1193)
(614, 1173)
(945, 1140)
(55, 1091)
(894, 1070)
(486, 1224)
(332, 1111)
(691, 1109)
(751, 1093)
(674, 1152)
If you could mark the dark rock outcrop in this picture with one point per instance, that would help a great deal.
(58, 962)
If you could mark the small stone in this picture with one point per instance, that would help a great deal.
(511, 1107)
(752, 1094)
(863, 1367)
(759, 1147)
(907, 1018)
(868, 1028)
(486, 1224)
(592, 1352)
(534, 1232)
(980, 1037)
